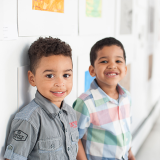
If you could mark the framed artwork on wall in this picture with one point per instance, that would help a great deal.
(151, 25)
(96, 17)
(124, 21)
(36, 18)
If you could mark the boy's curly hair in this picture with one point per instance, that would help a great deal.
(47, 47)
(109, 41)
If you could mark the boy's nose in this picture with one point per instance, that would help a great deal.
(112, 66)
(59, 82)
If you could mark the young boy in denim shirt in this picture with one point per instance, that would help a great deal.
(46, 129)
(104, 111)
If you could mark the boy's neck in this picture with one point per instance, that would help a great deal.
(112, 92)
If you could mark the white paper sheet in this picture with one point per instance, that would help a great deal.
(126, 17)
(37, 23)
(10, 32)
(97, 25)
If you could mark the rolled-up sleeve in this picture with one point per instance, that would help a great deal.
(21, 140)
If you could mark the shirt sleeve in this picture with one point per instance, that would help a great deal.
(130, 109)
(83, 116)
(21, 140)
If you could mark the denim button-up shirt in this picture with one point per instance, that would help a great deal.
(42, 131)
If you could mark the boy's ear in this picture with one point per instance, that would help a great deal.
(125, 70)
(31, 78)
(91, 71)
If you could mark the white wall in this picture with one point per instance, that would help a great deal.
(144, 93)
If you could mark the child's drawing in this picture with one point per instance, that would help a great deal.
(93, 8)
(48, 5)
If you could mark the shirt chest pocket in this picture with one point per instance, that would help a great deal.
(74, 141)
(51, 149)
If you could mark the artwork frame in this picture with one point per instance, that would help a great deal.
(97, 25)
(128, 37)
(151, 25)
(39, 23)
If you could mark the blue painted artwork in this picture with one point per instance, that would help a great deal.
(88, 80)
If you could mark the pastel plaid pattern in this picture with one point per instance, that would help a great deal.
(104, 123)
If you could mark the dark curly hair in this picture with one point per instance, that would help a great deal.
(104, 42)
(44, 47)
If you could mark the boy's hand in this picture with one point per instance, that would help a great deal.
(81, 153)
(130, 155)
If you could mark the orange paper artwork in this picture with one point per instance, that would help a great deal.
(48, 5)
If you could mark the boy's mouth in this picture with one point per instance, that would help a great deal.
(58, 93)
(112, 74)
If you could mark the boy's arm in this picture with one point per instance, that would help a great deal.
(81, 153)
(21, 140)
(83, 121)
(130, 155)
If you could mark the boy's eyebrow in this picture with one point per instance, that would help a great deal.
(50, 70)
(107, 57)
(68, 70)
(102, 57)
(120, 57)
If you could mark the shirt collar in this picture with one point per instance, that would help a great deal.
(100, 97)
(51, 109)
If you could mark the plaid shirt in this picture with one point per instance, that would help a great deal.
(104, 123)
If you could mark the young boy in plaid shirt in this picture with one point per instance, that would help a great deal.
(104, 111)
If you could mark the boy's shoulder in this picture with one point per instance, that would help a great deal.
(26, 112)
(86, 95)
(122, 90)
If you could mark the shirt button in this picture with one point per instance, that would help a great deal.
(60, 112)
(52, 145)
(10, 147)
(68, 148)
(66, 129)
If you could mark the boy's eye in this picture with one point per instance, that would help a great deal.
(118, 61)
(104, 62)
(49, 76)
(66, 75)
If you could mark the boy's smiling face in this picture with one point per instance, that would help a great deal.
(53, 78)
(109, 67)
